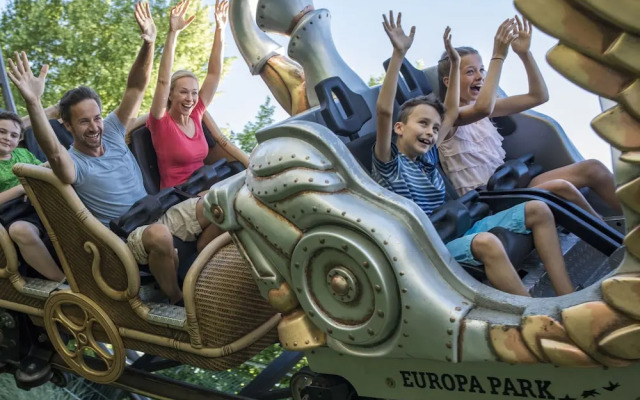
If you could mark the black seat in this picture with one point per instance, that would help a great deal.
(455, 217)
(64, 137)
(142, 148)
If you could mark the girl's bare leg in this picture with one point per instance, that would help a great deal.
(589, 173)
(487, 248)
(33, 250)
(539, 219)
(567, 191)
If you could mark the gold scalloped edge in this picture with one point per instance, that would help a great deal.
(600, 332)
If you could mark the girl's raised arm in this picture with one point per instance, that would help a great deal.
(483, 107)
(452, 98)
(214, 71)
(538, 93)
(176, 24)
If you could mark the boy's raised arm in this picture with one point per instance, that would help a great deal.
(140, 73)
(384, 107)
(31, 89)
(452, 98)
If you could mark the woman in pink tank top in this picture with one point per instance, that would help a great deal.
(175, 120)
(471, 152)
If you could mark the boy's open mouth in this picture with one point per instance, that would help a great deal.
(428, 142)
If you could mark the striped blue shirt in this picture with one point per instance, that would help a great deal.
(418, 180)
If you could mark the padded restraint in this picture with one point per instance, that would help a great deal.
(514, 174)
(355, 109)
(414, 84)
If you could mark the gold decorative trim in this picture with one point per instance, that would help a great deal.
(225, 148)
(118, 295)
(209, 352)
(61, 308)
(599, 332)
(10, 254)
(8, 305)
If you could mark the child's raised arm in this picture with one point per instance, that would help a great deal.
(177, 23)
(452, 98)
(483, 107)
(384, 107)
(538, 93)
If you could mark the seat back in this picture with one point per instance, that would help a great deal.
(144, 153)
(95, 261)
(220, 147)
(64, 136)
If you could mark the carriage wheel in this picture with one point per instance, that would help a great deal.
(74, 317)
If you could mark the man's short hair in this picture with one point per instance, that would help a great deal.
(5, 115)
(75, 96)
(409, 105)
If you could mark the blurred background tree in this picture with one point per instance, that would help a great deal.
(94, 43)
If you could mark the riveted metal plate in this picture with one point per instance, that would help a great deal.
(167, 314)
(372, 314)
(279, 154)
(294, 181)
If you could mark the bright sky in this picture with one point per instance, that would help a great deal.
(360, 39)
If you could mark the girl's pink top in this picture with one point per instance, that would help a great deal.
(178, 155)
(471, 155)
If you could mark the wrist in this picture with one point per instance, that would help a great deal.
(399, 52)
(525, 54)
(497, 58)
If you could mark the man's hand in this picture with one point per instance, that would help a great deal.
(145, 22)
(177, 21)
(522, 42)
(221, 13)
(400, 41)
(31, 87)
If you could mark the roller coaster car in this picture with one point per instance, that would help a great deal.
(224, 320)
(372, 294)
(361, 276)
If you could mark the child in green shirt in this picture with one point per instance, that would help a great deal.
(26, 232)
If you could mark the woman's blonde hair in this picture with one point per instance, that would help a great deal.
(177, 75)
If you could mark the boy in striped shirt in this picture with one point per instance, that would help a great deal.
(409, 169)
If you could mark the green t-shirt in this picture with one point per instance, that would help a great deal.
(19, 155)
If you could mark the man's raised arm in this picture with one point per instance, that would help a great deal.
(31, 89)
(140, 73)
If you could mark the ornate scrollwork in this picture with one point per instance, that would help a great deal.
(74, 316)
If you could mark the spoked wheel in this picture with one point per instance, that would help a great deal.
(73, 316)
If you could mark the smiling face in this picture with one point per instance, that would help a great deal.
(9, 138)
(472, 76)
(419, 133)
(184, 96)
(86, 127)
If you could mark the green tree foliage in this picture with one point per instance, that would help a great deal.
(94, 43)
(246, 139)
(375, 80)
